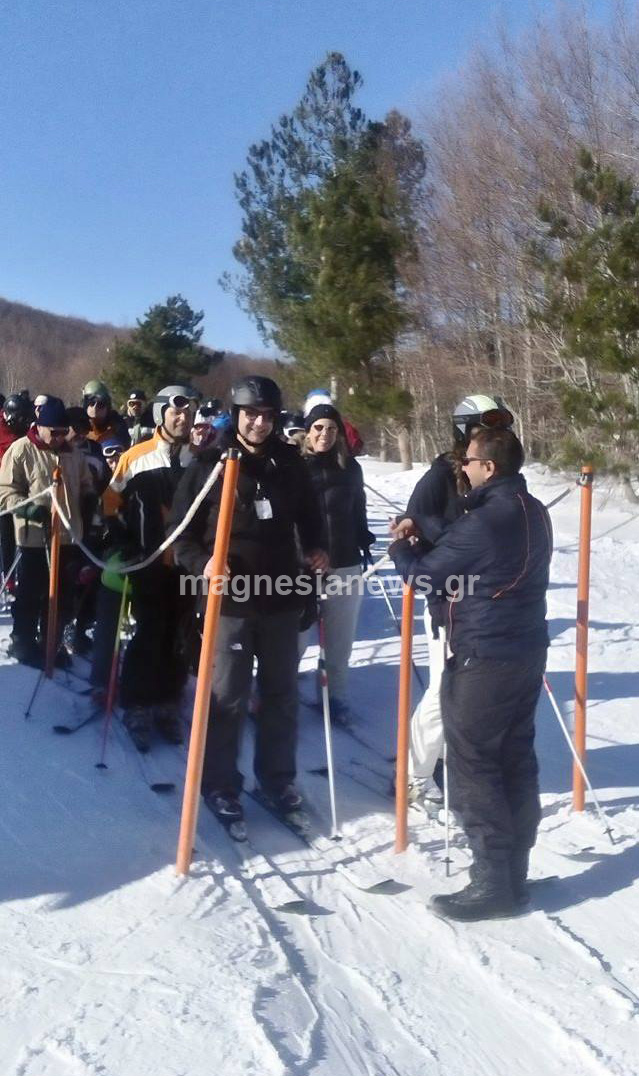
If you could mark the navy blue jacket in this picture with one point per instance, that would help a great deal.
(505, 538)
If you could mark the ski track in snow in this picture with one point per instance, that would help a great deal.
(112, 965)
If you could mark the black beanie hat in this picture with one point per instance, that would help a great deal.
(323, 411)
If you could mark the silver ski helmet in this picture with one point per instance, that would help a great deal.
(173, 396)
(490, 412)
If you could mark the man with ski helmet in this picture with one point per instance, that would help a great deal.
(105, 422)
(155, 664)
(435, 503)
(274, 506)
(138, 416)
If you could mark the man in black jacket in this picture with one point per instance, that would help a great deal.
(261, 609)
(496, 559)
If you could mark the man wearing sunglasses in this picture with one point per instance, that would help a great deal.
(274, 509)
(435, 503)
(495, 560)
(105, 422)
(27, 469)
(155, 664)
(138, 417)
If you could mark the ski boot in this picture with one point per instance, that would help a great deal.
(138, 721)
(225, 806)
(168, 723)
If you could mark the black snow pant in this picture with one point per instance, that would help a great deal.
(488, 710)
(155, 664)
(31, 606)
(7, 543)
(106, 625)
(273, 640)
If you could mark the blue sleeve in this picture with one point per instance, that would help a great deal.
(458, 552)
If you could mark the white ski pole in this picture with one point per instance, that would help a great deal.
(335, 834)
(7, 578)
(446, 813)
(579, 763)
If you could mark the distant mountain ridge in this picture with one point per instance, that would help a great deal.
(53, 353)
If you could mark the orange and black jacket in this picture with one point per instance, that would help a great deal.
(144, 483)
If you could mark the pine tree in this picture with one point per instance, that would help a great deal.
(590, 259)
(164, 349)
(328, 223)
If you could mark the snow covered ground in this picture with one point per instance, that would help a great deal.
(111, 966)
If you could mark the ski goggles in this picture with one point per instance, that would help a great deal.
(495, 419)
(111, 451)
(96, 401)
(180, 403)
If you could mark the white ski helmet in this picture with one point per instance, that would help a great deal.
(175, 396)
(487, 411)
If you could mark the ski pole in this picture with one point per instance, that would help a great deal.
(326, 709)
(403, 722)
(383, 562)
(7, 578)
(54, 580)
(113, 676)
(578, 763)
(202, 702)
(446, 813)
(382, 497)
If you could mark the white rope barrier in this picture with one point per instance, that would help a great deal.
(36, 497)
(137, 566)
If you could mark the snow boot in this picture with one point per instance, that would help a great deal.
(138, 721)
(423, 791)
(286, 801)
(225, 806)
(168, 723)
(488, 895)
(519, 859)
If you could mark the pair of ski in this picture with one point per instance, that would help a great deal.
(277, 891)
(148, 766)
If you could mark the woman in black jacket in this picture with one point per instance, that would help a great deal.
(338, 484)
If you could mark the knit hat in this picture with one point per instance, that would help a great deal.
(53, 413)
(324, 410)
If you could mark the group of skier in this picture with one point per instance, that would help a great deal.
(133, 491)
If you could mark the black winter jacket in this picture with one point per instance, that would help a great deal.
(341, 499)
(505, 538)
(265, 547)
(434, 504)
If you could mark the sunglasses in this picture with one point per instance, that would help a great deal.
(59, 431)
(252, 412)
(475, 459)
(97, 401)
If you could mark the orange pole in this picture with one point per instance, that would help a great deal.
(403, 721)
(201, 705)
(54, 579)
(581, 664)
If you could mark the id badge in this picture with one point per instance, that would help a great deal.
(263, 508)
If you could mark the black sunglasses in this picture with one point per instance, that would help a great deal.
(465, 460)
(97, 401)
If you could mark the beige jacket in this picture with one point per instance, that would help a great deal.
(26, 470)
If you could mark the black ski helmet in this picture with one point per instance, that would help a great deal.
(490, 412)
(19, 412)
(255, 391)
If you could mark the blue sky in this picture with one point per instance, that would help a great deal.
(123, 121)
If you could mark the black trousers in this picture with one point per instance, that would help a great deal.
(155, 664)
(273, 640)
(106, 624)
(31, 606)
(488, 710)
